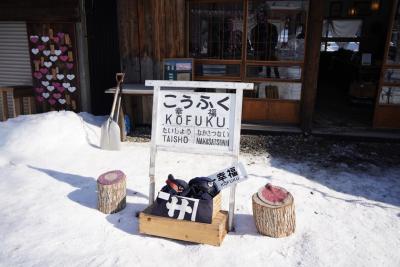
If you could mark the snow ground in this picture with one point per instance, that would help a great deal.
(49, 164)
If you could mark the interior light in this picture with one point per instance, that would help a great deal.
(352, 11)
(375, 5)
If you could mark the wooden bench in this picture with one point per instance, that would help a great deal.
(16, 100)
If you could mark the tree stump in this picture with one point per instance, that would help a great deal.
(273, 211)
(111, 188)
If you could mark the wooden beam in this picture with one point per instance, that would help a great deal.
(311, 63)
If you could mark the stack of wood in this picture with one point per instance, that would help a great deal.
(273, 211)
(111, 187)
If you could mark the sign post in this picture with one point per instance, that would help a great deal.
(196, 122)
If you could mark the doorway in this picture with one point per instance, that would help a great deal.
(352, 48)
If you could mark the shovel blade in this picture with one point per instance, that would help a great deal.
(110, 138)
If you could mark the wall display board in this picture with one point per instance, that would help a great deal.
(54, 65)
(178, 69)
(195, 122)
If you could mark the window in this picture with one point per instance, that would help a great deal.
(341, 34)
(216, 30)
(265, 45)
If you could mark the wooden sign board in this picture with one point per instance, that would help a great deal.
(197, 123)
(178, 69)
(196, 120)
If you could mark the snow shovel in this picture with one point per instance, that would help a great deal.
(110, 138)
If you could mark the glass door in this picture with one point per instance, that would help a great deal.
(387, 110)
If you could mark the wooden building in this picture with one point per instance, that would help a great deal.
(318, 66)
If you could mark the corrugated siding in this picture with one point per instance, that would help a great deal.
(15, 66)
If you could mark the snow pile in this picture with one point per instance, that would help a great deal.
(49, 164)
(40, 134)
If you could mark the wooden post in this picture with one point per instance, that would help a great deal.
(275, 219)
(111, 187)
(311, 63)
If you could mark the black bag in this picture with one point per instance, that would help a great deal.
(183, 208)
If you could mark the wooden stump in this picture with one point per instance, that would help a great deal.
(111, 188)
(275, 219)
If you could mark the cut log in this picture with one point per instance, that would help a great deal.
(274, 218)
(111, 187)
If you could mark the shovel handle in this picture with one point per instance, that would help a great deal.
(120, 79)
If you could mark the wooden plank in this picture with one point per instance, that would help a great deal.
(199, 84)
(212, 234)
(279, 111)
(181, 22)
(311, 63)
(387, 116)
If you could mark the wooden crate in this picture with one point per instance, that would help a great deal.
(204, 233)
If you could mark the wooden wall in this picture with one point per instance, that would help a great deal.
(149, 31)
(40, 10)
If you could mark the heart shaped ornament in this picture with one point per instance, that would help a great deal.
(41, 47)
(66, 85)
(34, 38)
(56, 39)
(71, 89)
(49, 77)
(70, 66)
(56, 84)
(37, 75)
(39, 90)
(62, 101)
(45, 83)
(35, 51)
(56, 95)
(64, 58)
(60, 89)
(70, 77)
(60, 35)
(57, 52)
(53, 58)
(39, 98)
(63, 48)
(45, 39)
(50, 88)
(44, 70)
(46, 95)
(46, 52)
(48, 64)
(52, 101)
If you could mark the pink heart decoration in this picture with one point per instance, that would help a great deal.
(60, 89)
(63, 58)
(60, 35)
(56, 39)
(70, 65)
(56, 84)
(37, 75)
(44, 70)
(63, 48)
(34, 38)
(41, 47)
(57, 95)
(52, 101)
(39, 90)
(39, 98)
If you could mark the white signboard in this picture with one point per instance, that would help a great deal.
(196, 120)
(229, 176)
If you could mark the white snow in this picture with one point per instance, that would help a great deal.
(49, 164)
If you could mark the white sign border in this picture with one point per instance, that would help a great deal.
(234, 154)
